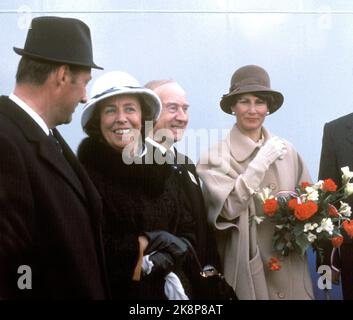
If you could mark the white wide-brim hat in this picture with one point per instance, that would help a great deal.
(118, 83)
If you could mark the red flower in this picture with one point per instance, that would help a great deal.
(270, 207)
(337, 241)
(348, 227)
(305, 210)
(304, 185)
(329, 185)
(312, 207)
(292, 203)
(274, 264)
(332, 211)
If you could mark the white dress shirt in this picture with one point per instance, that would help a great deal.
(34, 115)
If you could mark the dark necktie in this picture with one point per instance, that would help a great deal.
(69, 169)
(170, 157)
(55, 142)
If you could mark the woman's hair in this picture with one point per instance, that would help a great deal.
(265, 96)
(93, 130)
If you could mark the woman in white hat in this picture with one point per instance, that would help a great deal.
(143, 224)
(246, 161)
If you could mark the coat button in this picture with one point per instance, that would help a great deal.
(272, 186)
(281, 295)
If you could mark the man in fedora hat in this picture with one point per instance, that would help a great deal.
(50, 242)
(336, 153)
(170, 126)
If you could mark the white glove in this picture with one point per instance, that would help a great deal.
(173, 288)
(273, 149)
(147, 264)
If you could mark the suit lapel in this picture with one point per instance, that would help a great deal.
(190, 178)
(93, 197)
(49, 152)
(46, 149)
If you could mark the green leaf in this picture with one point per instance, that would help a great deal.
(302, 243)
(298, 229)
(279, 245)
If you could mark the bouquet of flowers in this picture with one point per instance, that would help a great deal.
(305, 217)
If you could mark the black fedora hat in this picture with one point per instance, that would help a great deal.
(250, 79)
(63, 40)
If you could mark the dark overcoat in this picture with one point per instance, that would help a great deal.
(337, 152)
(205, 243)
(50, 216)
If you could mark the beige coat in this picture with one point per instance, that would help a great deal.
(245, 247)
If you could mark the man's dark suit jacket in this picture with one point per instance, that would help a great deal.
(337, 152)
(206, 246)
(50, 215)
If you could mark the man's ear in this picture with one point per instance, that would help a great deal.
(62, 75)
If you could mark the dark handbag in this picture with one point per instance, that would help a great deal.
(213, 286)
(210, 284)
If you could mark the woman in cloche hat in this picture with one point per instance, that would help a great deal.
(143, 224)
(249, 159)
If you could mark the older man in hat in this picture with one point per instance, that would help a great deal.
(50, 241)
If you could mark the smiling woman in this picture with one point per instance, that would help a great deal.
(144, 223)
(121, 121)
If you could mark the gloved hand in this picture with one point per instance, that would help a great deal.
(273, 149)
(165, 241)
(163, 263)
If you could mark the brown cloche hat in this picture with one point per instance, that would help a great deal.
(249, 79)
(63, 40)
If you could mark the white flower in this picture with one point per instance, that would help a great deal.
(265, 194)
(309, 189)
(348, 189)
(259, 219)
(311, 237)
(326, 225)
(313, 195)
(318, 185)
(279, 226)
(347, 175)
(345, 209)
(309, 226)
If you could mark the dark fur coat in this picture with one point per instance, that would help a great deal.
(136, 198)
